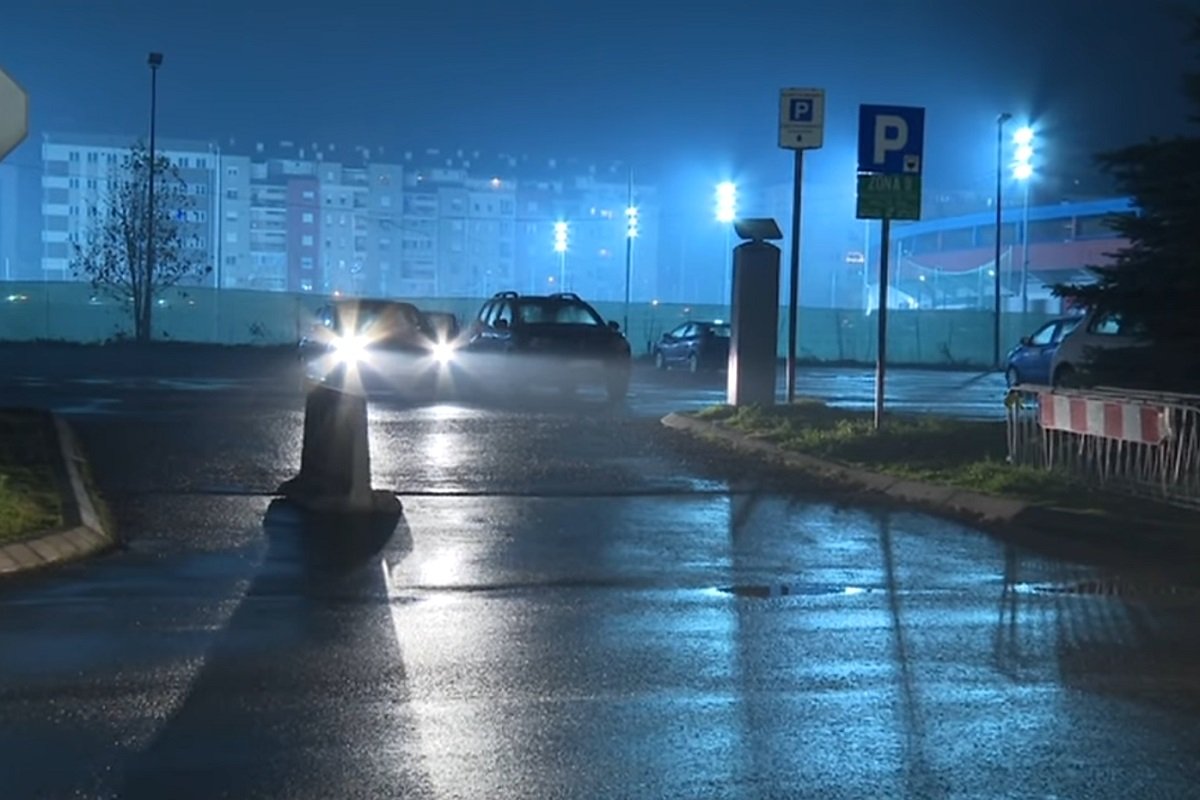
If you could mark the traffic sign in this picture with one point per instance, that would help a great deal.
(891, 139)
(14, 114)
(801, 119)
(889, 197)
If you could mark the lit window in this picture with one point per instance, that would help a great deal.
(306, 217)
(308, 194)
(306, 240)
(231, 237)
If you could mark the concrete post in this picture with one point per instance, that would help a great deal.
(754, 324)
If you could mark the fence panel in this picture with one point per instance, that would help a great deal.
(1136, 442)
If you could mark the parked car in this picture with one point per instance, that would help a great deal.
(440, 326)
(559, 339)
(373, 339)
(1029, 361)
(696, 345)
(1099, 330)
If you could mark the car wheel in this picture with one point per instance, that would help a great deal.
(693, 363)
(659, 361)
(1012, 377)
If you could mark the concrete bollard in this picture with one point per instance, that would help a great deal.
(335, 461)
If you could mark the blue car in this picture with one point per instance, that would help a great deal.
(1029, 361)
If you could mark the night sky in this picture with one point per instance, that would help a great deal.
(661, 84)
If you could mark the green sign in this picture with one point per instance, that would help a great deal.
(889, 196)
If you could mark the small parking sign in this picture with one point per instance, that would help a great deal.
(801, 109)
(801, 119)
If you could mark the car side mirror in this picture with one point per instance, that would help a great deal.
(1025, 340)
(614, 326)
(501, 324)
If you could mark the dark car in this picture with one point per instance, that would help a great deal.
(1030, 361)
(386, 340)
(557, 339)
(695, 345)
(440, 326)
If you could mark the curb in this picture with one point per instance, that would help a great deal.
(936, 496)
(83, 532)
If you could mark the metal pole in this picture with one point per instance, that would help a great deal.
(150, 240)
(881, 346)
(794, 277)
(1025, 254)
(727, 270)
(628, 252)
(1003, 118)
(562, 270)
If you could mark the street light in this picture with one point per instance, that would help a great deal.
(561, 234)
(1000, 120)
(631, 233)
(154, 60)
(726, 213)
(1022, 170)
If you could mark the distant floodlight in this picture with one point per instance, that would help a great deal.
(1023, 172)
(726, 201)
(1023, 136)
(560, 237)
(1024, 153)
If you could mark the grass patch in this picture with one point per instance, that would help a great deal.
(29, 495)
(963, 453)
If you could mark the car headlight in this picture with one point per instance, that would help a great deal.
(443, 352)
(350, 349)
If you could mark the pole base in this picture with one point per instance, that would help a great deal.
(304, 495)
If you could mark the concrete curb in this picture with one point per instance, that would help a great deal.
(958, 502)
(83, 532)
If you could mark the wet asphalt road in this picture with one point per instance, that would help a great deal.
(574, 604)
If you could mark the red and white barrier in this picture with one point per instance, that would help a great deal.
(1128, 421)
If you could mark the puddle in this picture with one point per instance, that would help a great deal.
(772, 590)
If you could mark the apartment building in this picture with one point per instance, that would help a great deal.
(316, 218)
(79, 170)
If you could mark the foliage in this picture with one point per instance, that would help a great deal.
(29, 500)
(114, 254)
(1154, 281)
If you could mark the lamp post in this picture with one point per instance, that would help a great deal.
(631, 232)
(1000, 120)
(155, 61)
(1022, 171)
(561, 233)
(726, 214)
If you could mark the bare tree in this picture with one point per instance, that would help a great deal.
(114, 250)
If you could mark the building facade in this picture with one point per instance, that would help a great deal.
(78, 171)
(311, 218)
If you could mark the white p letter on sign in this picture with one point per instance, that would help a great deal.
(891, 134)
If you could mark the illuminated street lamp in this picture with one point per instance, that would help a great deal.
(631, 233)
(561, 234)
(1022, 170)
(995, 272)
(726, 213)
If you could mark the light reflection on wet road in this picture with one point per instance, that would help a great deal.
(574, 604)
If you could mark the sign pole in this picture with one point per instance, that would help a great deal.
(881, 348)
(794, 282)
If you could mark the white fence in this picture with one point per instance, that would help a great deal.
(1136, 442)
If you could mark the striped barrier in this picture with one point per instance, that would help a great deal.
(1127, 421)
(1137, 442)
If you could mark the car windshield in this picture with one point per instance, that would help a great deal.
(551, 311)
(375, 318)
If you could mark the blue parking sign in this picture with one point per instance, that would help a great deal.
(891, 140)
(801, 109)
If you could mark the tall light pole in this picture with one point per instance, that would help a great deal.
(1022, 171)
(155, 61)
(561, 233)
(726, 214)
(1000, 120)
(631, 232)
